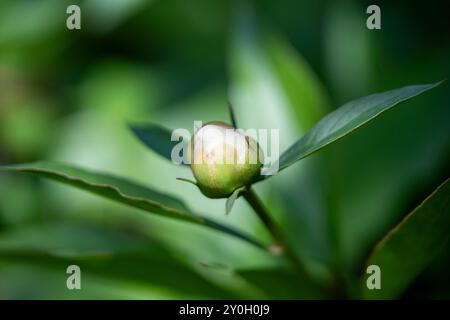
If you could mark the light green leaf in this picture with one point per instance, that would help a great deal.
(271, 85)
(346, 119)
(301, 86)
(123, 191)
(411, 245)
(188, 181)
(230, 201)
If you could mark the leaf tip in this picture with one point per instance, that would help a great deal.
(187, 180)
(232, 115)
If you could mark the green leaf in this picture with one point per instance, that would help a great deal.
(368, 185)
(300, 85)
(281, 283)
(411, 245)
(346, 119)
(271, 85)
(188, 181)
(130, 264)
(156, 138)
(123, 191)
(230, 201)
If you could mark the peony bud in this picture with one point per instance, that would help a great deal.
(223, 159)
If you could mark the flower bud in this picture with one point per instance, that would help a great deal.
(223, 159)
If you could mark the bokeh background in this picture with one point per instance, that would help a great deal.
(67, 95)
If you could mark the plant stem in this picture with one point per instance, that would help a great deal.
(254, 201)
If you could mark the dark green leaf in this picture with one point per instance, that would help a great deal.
(282, 283)
(232, 115)
(373, 172)
(411, 245)
(156, 138)
(123, 191)
(346, 119)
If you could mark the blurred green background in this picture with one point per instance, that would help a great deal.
(67, 95)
